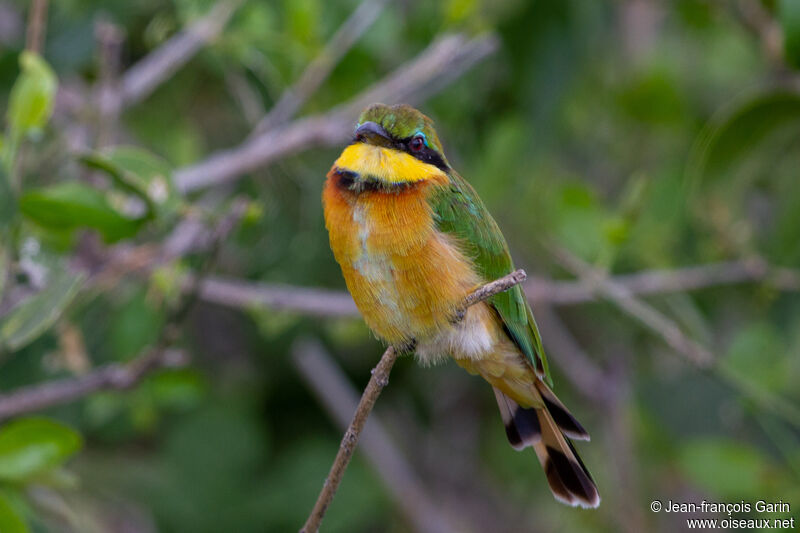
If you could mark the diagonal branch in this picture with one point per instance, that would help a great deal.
(625, 300)
(379, 379)
(327, 381)
(443, 61)
(323, 64)
(109, 377)
(669, 331)
(140, 80)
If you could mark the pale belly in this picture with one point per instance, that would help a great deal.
(409, 289)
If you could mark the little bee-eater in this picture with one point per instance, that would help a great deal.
(413, 240)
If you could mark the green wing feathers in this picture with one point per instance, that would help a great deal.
(461, 213)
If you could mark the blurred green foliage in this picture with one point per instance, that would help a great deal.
(637, 134)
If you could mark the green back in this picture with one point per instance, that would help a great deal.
(461, 213)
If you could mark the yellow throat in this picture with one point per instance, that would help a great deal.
(385, 164)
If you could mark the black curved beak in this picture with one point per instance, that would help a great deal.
(373, 133)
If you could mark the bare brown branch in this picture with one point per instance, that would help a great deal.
(335, 393)
(379, 379)
(37, 25)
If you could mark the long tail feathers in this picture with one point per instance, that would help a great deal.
(544, 429)
(560, 414)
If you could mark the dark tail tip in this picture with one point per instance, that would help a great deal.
(523, 429)
(521, 424)
(569, 479)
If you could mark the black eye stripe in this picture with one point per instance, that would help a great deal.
(429, 156)
(426, 154)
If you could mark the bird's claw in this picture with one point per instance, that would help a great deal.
(458, 316)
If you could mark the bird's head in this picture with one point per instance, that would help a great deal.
(392, 145)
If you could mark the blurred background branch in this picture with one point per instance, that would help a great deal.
(322, 302)
(322, 65)
(37, 26)
(444, 60)
(142, 78)
(111, 377)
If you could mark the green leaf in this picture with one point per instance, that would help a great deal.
(138, 172)
(176, 389)
(71, 205)
(789, 16)
(580, 220)
(32, 96)
(36, 314)
(133, 326)
(739, 129)
(11, 521)
(31, 446)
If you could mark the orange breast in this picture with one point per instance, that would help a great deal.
(406, 278)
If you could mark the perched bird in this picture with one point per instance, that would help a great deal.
(413, 239)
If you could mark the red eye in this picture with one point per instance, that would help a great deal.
(416, 144)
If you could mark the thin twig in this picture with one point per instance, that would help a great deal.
(379, 379)
(755, 17)
(654, 320)
(440, 63)
(140, 80)
(109, 377)
(494, 287)
(246, 96)
(323, 64)
(110, 39)
(669, 331)
(37, 25)
(335, 393)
